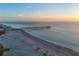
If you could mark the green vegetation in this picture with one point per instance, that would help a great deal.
(2, 49)
(2, 32)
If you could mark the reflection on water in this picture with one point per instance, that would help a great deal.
(66, 34)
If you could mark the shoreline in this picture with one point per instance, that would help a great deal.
(46, 48)
(49, 44)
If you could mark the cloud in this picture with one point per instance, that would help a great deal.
(20, 15)
(28, 7)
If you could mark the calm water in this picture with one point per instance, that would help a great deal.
(65, 34)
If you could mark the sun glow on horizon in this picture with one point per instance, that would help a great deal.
(40, 12)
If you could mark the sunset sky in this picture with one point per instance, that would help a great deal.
(39, 12)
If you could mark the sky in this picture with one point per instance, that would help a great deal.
(39, 12)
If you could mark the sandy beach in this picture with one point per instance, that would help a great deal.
(24, 44)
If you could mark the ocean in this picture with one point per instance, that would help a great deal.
(61, 33)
